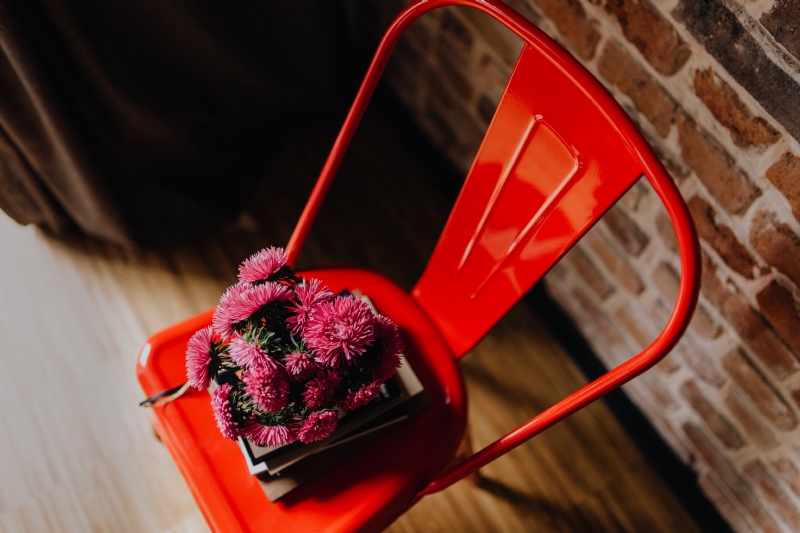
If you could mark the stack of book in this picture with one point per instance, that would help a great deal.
(281, 470)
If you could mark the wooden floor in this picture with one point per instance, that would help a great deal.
(78, 455)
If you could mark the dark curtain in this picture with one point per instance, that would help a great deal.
(141, 122)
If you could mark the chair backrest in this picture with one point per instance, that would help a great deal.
(558, 153)
(552, 162)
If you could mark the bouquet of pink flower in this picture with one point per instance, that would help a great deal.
(300, 353)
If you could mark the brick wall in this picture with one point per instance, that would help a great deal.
(714, 85)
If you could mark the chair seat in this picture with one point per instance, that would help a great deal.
(363, 493)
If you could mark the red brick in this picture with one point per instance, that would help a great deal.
(418, 36)
(659, 314)
(720, 426)
(558, 270)
(620, 69)
(733, 512)
(494, 73)
(703, 324)
(742, 52)
(789, 473)
(630, 322)
(524, 8)
(776, 243)
(780, 308)
(440, 94)
(715, 167)
(627, 232)
(751, 326)
(571, 20)
(765, 398)
(669, 364)
(667, 281)
(457, 133)
(655, 38)
(740, 489)
(774, 494)
(700, 362)
(495, 34)
(655, 388)
(783, 22)
(615, 263)
(749, 420)
(486, 107)
(666, 231)
(721, 238)
(672, 162)
(452, 74)
(785, 175)
(633, 198)
(598, 317)
(726, 106)
(456, 37)
(586, 269)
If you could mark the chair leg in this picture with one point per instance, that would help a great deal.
(465, 450)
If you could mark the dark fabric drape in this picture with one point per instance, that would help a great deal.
(142, 122)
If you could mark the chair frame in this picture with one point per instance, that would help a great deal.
(189, 454)
(664, 187)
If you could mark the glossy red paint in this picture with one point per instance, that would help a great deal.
(558, 153)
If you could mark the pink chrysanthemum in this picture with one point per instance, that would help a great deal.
(387, 339)
(269, 387)
(248, 355)
(320, 390)
(257, 296)
(261, 265)
(223, 412)
(340, 330)
(307, 296)
(222, 321)
(199, 358)
(318, 426)
(361, 397)
(272, 436)
(300, 366)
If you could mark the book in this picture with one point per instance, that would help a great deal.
(401, 388)
(278, 485)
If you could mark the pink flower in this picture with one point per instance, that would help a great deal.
(387, 340)
(201, 361)
(261, 265)
(307, 296)
(248, 355)
(300, 366)
(223, 412)
(320, 390)
(361, 397)
(339, 330)
(269, 387)
(255, 297)
(271, 436)
(318, 426)
(222, 321)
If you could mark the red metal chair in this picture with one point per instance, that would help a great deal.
(558, 153)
